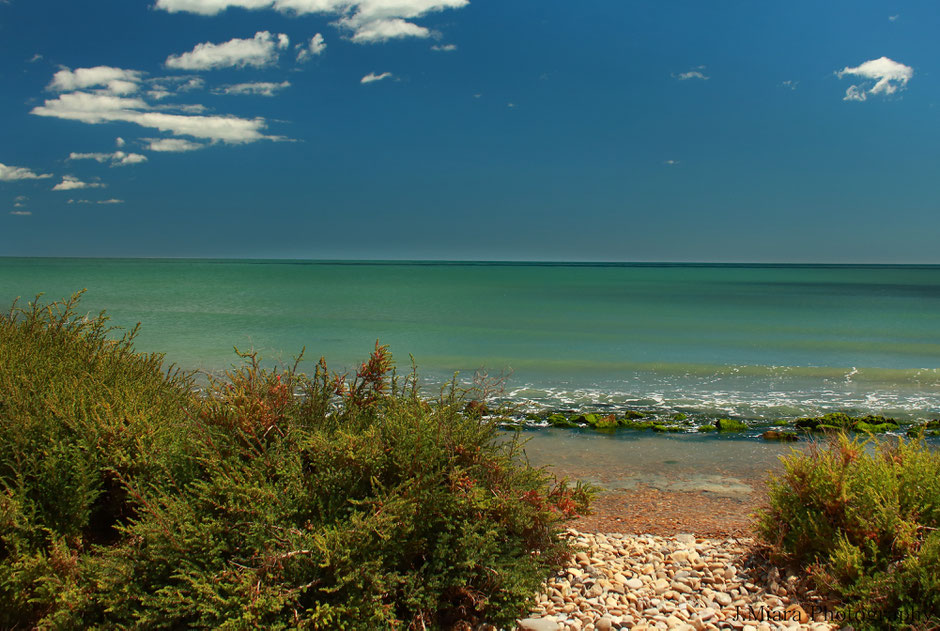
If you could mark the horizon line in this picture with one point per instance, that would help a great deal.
(471, 262)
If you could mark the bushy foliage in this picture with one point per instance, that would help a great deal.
(272, 499)
(862, 518)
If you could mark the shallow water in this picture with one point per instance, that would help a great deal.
(722, 465)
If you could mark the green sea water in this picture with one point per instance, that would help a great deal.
(751, 341)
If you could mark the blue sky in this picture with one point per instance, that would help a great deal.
(518, 129)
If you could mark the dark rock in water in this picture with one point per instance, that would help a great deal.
(679, 416)
(630, 415)
(782, 436)
(728, 425)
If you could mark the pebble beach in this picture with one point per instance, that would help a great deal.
(619, 581)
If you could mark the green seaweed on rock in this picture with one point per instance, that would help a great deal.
(835, 421)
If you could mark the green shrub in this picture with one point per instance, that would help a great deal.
(271, 500)
(862, 518)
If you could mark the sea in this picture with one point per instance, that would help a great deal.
(755, 342)
(764, 344)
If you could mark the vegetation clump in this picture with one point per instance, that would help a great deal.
(274, 500)
(863, 520)
(730, 425)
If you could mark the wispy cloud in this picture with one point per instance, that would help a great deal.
(71, 183)
(259, 51)
(372, 77)
(21, 213)
(117, 159)
(888, 75)
(367, 21)
(789, 84)
(260, 88)
(11, 174)
(671, 163)
(313, 48)
(447, 48)
(893, 18)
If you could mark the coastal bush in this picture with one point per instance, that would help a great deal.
(269, 499)
(862, 519)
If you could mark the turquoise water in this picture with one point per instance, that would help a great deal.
(751, 341)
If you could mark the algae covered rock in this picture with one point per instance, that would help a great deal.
(631, 415)
(679, 416)
(606, 422)
(729, 425)
(835, 421)
(930, 428)
(586, 419)
(707, 428)
(667, 428)
(560, 420)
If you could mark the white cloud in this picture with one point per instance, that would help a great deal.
(671, 163)
(119, 142)
(258, 52)
(79, 201)
(35, 58)
(20, 201)
(893, 18)
(314, 48)
(116, 81)
(789, 84)
(372, 77)
(21, 213)
(117, 159)
(889, 76)
(71, 183)
(100, 108)
(445, 47)
(260, 88)
(695, 73)
(854, 93)
(10, 174)
(373, 31)
(110, 201)
(369, 21)
(175, 145)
